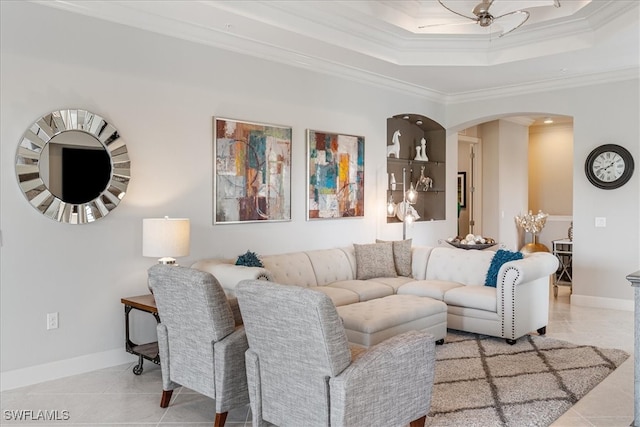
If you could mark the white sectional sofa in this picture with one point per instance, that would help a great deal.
(517, 305)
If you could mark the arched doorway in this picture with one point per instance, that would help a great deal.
(513, 164)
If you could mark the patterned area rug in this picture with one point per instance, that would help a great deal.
(482, 381)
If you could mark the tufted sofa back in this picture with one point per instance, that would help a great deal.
(310, 268)
(468, 267)
(324, 266)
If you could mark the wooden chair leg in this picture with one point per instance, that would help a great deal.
(221, 418)
(166, 397)
(419, 422)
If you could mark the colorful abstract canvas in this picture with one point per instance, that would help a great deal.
(335, 175)
(252, 172)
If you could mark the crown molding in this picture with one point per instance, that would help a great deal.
(632, 73)
(218, 24)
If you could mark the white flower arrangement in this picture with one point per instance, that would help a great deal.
(532, 223)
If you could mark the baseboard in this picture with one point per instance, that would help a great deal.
(63, 368)
(602, 302)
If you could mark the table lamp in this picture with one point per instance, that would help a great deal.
(165, 238)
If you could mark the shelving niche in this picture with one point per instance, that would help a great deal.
(430, 204)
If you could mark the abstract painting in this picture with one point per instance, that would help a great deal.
(252, 172)
(335, 176)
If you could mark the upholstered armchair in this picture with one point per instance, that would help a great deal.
(200, 346)
(301, 370)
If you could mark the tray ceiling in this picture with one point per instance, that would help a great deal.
(380, 41)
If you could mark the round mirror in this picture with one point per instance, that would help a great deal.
(72, 166)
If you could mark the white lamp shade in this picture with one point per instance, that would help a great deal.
(165, 237)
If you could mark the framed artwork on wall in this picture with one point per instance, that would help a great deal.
(251, 172)
(335, 175)
(462, 190)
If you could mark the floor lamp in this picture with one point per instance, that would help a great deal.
(408, 198)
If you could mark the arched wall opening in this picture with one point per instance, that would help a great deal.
(510, 164)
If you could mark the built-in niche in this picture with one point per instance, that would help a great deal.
(407, 134)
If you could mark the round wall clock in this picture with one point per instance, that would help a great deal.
(609, 166)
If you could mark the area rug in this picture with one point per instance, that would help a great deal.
(482, 381)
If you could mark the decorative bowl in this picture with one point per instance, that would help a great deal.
(471, 241)
(467, 246)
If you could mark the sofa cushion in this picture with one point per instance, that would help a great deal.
(338, 296)
(468, 267)
(419, 258)
(366, 289)
(401, 256)
(428, 288)
(392, 282)
(330, 265)
(291, 269)
(374, 260)
(480, 297)
(498, 259)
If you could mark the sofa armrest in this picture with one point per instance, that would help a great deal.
(523, 294)
(400, 369)
(229, 275)
(235, 309)
(531, 267)
(163, 351)
(230, 371)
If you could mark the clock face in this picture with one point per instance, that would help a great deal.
(609, 166)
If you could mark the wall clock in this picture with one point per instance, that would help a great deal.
(609, 166)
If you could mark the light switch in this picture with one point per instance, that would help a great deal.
(601, 221)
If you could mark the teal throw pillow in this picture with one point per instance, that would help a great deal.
(249, 259)
(500, 257)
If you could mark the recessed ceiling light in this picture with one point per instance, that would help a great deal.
(548, 120)
(419, 122)
(406, 117)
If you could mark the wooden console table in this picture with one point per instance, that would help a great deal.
(149, 351)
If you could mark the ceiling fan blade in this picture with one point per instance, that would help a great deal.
(460, 6)
(511, 21)
(446, 24)
(502, 7)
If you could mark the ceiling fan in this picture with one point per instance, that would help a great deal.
(499, 14)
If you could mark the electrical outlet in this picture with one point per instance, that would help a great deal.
(52, 320)
(601, 221)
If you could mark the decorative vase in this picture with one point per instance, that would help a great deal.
(571, 231)
(393, 182)
(534, 246)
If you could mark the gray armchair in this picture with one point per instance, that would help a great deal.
(301, 371)
(200, 346)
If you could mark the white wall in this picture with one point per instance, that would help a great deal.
(504, 179)
(161, 94)
(551, 169)
(603, 113)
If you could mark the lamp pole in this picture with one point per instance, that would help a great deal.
(404, 204)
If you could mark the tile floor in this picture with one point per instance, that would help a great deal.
(115, 396)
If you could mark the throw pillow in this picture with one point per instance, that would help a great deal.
(374, 260)
(401, 256)
(249, 259)
(499, 258)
